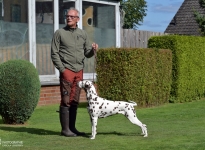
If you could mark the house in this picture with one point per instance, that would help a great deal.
(184, 22)
(27, 27)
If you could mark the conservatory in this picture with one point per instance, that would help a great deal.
(27, 27)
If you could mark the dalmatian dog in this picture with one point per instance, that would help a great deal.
(100, 108)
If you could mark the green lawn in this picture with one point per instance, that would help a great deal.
(170, 127)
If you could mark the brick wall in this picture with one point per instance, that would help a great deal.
(51, 95)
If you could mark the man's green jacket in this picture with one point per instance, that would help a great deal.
(69, 47)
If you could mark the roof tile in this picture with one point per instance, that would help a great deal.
(184, 21)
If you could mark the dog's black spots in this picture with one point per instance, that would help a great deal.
(90, 96)
(126, 115)
(107, 103)
(134, 116)
(96, 99)
(111, 112)
(93, 106)
(101, 106)
(128, 108)
(115, 108)
(105, 107)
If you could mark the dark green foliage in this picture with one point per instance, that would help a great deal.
(200, 18)
(202, 3)
(19, 91)
(141, 75)
(188, 80)
(135, 10)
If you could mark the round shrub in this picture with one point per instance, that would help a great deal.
(19, 91)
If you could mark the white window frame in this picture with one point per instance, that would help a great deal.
(54, 79)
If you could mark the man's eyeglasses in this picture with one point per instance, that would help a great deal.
(72, 17)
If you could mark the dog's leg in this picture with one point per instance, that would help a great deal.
(144, 130)
(89, 114)
(131, 115)
(136, 121)
(142, 126)
(94, 127)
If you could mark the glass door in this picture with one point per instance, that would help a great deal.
(98, 20)
(44, 34)
(13, 30)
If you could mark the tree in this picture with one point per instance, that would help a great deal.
(200, 19)
(132, 13)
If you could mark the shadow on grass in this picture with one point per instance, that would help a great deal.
(30, 130)
(49, 132)
(118, 133)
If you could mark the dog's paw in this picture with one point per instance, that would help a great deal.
(92, 137)
(145, 135)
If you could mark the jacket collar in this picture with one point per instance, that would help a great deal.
(70, 29)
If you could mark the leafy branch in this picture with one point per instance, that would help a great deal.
(200, 19)
(135, 10)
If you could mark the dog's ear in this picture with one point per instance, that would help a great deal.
(87, 85)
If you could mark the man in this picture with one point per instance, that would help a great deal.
(70, 45)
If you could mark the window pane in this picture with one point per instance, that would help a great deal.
(44, 33)
(13, 30)
(99, 23)
(64, 5)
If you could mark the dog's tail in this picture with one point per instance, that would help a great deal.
(134, 103)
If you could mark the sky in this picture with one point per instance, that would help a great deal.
(159, 14)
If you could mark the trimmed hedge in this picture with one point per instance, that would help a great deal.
(141, 75)
(19, 91)
(188, 80)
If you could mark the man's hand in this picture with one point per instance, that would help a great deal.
(95, 46)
